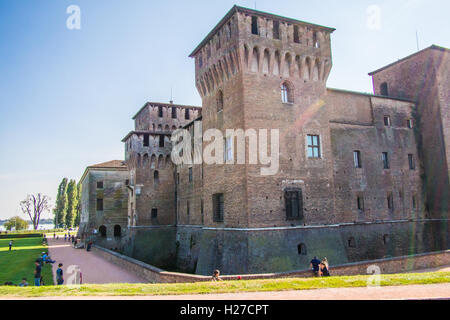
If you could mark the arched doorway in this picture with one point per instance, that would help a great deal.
(102, 231)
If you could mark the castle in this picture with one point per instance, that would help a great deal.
(360, 177)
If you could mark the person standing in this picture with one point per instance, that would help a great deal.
(65, 236)
(37, 273)
(10, 244)
(59, 275)
(315, 266)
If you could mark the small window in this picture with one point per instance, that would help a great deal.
(296, 34)
(178, 178)
(351, 242)
(160, 112)
(200, 61)
(99, 184)
(228, 151)
(276, 30)
(127, 182)
(99, 204)
(102, 230)
(117, 231)
(360, 203)
(154, 213)
(301, 248)
(255, 25)
(357, 159)
(286, 93)
(390, 201)
(384, 89)
(146, 140)
(220, 101)
(386, 239)
(294, 204)
(414, 202)
(186, 114)
(409, 123)
(156, 178)
(316, 42)
(188, 208)
(412, 164)
(190, 175)
(385, 158)
(174, 113)
(313, 146)
(218, 205)
(161, 141)
(387, 121)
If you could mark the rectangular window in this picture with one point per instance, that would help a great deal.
(154, 213)
(296, 35)
(313, 146)
(146, 140)
(385, 159)
(276, 30)
(186, 114)
(357, 159)
(190, 175)
(409, 123)
(174, 113)
(160, 112)
(99, 204)
(228, 149)
(414, 202)
(255, 25)
(178, 178)
(127, 182)
(99, 184)
(200, 61)
(218, 205)
(412, 165)
(360, 203)
(294, 204)
(188, 208)
(202, 210)
(387, 121)
(384, 89)
(390, 201)
(161, 141)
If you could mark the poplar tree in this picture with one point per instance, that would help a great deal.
(60, 210)
(72, 201)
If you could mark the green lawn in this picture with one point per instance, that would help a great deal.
(19, 262)
(224, 286)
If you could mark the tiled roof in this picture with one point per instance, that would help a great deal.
(114, 164)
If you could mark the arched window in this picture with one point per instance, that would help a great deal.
(302, 249)
(219, 101)
(286, 93)
(102, 231)
(117, 231)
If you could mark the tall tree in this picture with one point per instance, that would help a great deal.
(34, 206)
(72, 201)
(60, 210)
(78, 215)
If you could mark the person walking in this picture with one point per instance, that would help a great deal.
(37, 273)
(10, 244)
(59, 275)
(65, 237)
(315, 263)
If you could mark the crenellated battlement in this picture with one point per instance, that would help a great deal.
(253, 41)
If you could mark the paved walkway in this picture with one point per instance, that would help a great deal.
(94, 269)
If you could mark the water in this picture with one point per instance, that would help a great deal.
(30, 227)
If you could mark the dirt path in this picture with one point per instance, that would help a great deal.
(94, 269)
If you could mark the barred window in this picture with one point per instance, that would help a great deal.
(218, 205)
(294, 204)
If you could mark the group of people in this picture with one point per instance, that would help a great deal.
(320, 268)
(39, 263)
(23, 283)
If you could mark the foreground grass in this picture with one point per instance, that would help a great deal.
(224, 286)
(19, 262)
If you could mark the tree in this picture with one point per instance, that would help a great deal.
(78, 214)
(72, 201)
(16, 222)
(60, 210)
(34, 206)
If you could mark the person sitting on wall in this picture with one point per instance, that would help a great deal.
(216, 276)
(324, 272)
(315, 266)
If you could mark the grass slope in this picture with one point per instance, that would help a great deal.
(19, 262)
(224, 286)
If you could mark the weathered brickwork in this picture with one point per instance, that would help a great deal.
(104, 203)
(361, 165)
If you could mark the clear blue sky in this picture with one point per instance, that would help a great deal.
(67, 96)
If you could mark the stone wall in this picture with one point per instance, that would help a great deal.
(387, 266)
